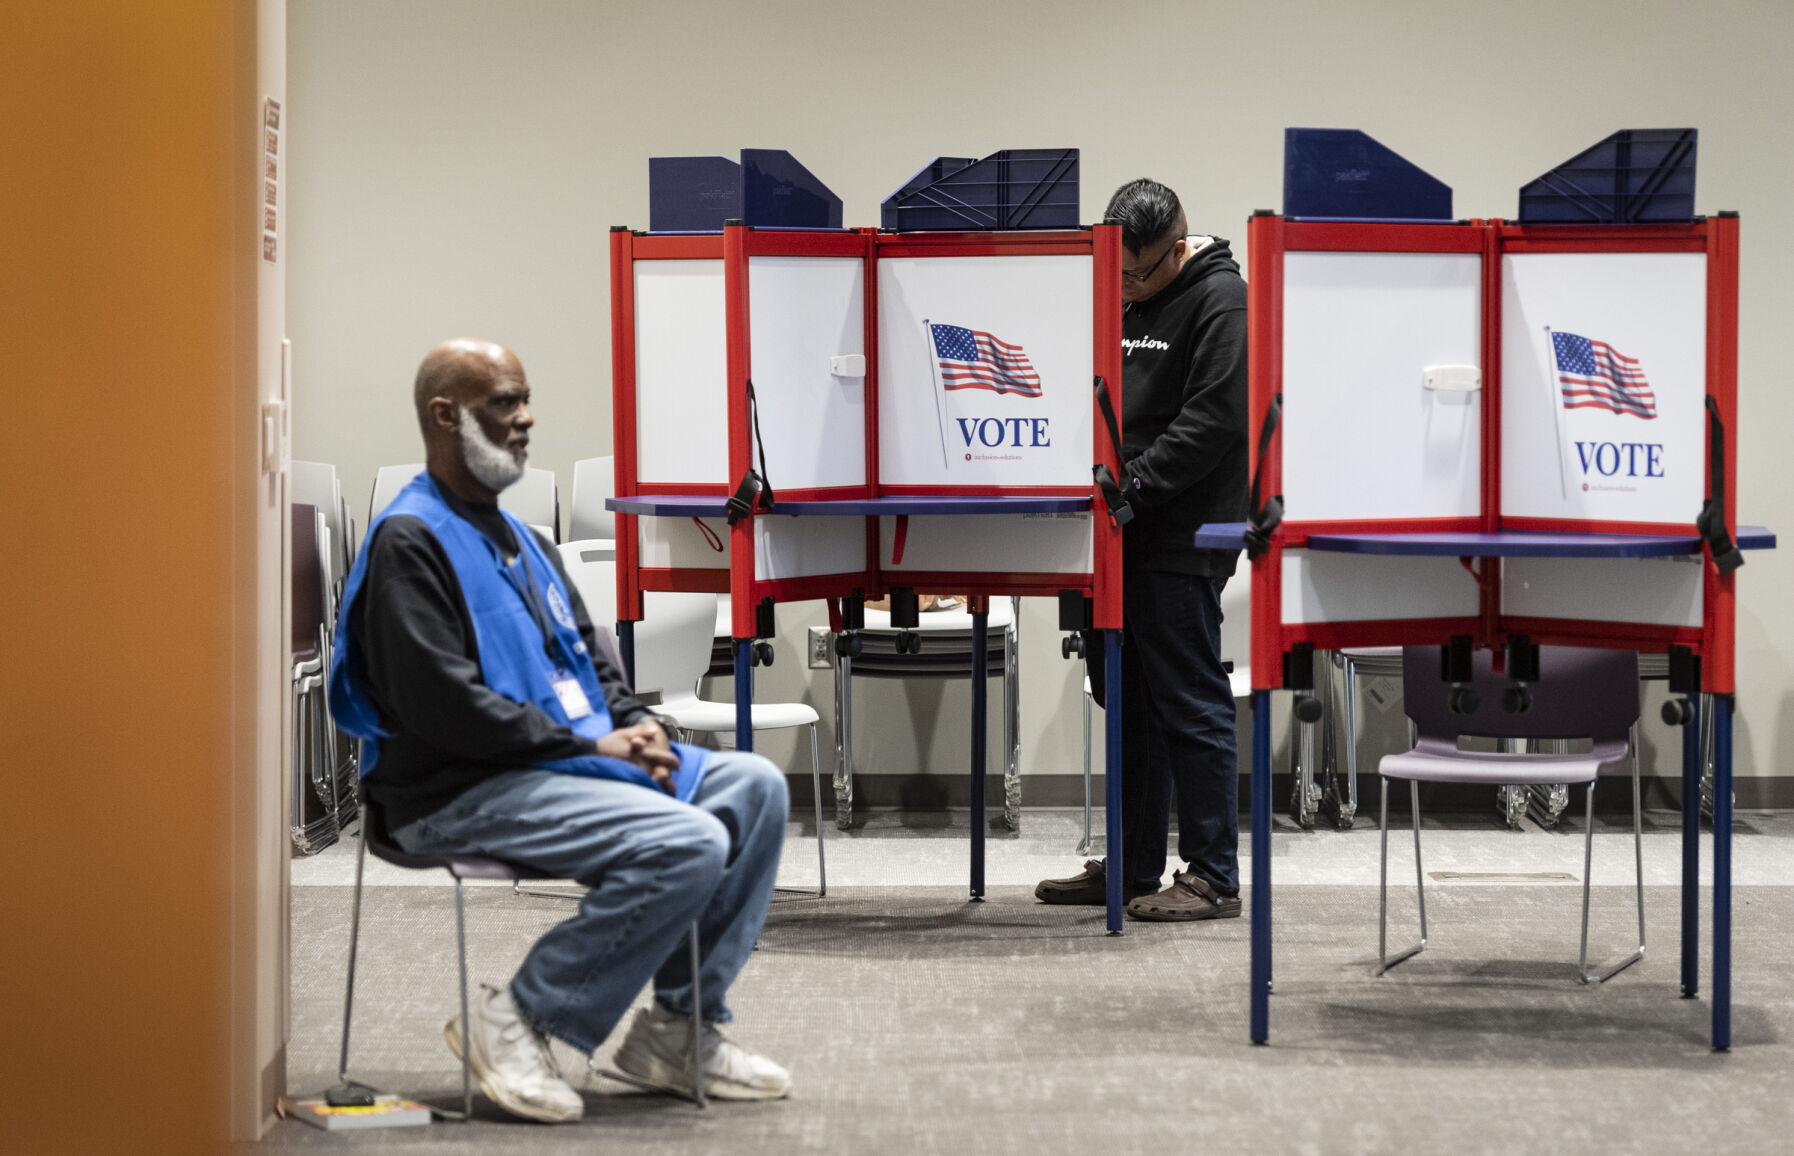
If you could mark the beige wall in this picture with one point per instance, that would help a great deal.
(456, 163)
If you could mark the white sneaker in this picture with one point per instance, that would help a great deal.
(512, 1062)
(658, 1051)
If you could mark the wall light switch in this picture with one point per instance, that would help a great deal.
(848, 365)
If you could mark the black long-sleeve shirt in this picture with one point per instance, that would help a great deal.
(1183, 414)
(422, 668)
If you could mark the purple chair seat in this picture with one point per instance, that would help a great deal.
(1434, 761)
(381, 846)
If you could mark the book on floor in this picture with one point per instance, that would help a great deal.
(384, 1112)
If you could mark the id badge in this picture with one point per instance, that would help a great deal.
(573, 697)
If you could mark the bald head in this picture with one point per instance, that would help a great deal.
(473, 410)
(457, 369)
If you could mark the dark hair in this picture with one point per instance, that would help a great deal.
(1148, 211)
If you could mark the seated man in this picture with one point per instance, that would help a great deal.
(494, 724)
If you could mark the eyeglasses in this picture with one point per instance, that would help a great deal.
(1151, 269)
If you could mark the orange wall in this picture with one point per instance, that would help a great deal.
(122, 489)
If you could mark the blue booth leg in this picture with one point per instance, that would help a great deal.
(1112, 775)
(1261, 865)
(980, 705)
(1723, 705)
(1691, 851)
(626, 648)
(744, 694)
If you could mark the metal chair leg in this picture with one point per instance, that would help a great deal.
(342, 1065)
(1602, 975)
(1012, 730)
(816, 786)
(844, 742)
(466, 1112)
(1384, 961)
(1350, 711)
(697, 1023)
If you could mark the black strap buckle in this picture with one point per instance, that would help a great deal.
(746, 495)
(1711, 522)
(1113, 495)
(1114, 492)
(754, 488)
(1264, 519)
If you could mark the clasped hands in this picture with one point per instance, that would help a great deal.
(644, 744)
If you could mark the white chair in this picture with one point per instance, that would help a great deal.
(672, 652)
(314, 484)
(536, 499)
(592, 564)
(387, 484)
(594, 480)
(1236, 648)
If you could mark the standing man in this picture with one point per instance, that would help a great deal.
(1183, 457)
(494, 724)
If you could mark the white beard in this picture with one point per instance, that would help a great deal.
(494, 465)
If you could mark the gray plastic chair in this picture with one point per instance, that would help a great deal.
(1581, 693)
(376, 838)
(594, 479)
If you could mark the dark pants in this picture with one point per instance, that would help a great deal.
(1178, 726)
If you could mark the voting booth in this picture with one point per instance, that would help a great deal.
(1489, 435)
(842, 414)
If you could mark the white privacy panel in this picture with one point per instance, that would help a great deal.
(786, 547)
(681, 372)
(1001, 395)
(991, 544)
(678, 543)
(804, 311)
(1658, 591)
(1363, 436)
(1603, 385)
(1321, 586)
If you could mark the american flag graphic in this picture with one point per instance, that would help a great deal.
(973, 359)
(1595, 375)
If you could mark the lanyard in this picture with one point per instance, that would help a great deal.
(532, 599)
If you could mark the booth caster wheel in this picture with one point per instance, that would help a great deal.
(1677, 712)
(1072, 644)
(909, 642)
(1516, 699)
(1308, 708)
(848, 645)
(761, 653)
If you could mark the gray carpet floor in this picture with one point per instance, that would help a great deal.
(916, 1022)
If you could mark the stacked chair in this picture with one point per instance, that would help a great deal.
(325, 766)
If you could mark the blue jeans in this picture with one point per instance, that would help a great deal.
(1178, 717)
(653, 865)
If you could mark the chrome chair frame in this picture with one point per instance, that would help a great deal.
(1489, 687)
(462, 868)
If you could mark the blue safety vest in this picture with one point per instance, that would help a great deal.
(523, 628)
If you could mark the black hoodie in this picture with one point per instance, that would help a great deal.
(1183, 414)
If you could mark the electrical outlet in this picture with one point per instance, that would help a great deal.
(819, 648)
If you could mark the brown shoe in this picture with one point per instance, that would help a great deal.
(1088, 888)
(1187, 898)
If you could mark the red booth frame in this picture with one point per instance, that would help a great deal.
(1270, 237)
